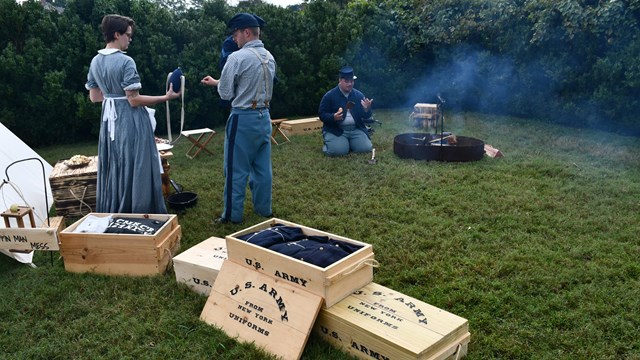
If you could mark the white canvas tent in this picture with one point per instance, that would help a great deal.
(23, 183)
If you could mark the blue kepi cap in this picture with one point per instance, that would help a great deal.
(347, 73)
(242, 21)
(261, 22)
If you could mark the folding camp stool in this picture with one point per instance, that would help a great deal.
(199, 139)
(275, 124)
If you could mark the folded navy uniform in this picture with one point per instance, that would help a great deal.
(291, 241)
(139, 226)
(274, 235)
(314, 252)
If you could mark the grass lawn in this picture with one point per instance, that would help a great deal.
(538, 250)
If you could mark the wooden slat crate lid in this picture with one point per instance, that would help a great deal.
(397, 322)
(259, 309)
(60, 171)
(424, 105)
(301, 121)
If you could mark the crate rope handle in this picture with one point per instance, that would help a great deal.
(170, 258)
(366, 262)
(170, 265)
(81, 200)
(458, 349)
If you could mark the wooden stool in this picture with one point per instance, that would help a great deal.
(199, 138)
(275, 124)
(19, 216)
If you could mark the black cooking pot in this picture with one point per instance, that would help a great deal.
(181, 200)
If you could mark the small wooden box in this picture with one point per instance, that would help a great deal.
(333, 283)
(301, 126)
(377, 322)
(421, 108)
(199, 265)
(74, 189)
(121, 254)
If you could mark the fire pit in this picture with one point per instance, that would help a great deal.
(423, 146)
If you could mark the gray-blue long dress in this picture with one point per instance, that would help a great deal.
(128, 161)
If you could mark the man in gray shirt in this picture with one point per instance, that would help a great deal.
(246, 80)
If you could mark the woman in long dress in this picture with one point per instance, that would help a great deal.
(129, 178)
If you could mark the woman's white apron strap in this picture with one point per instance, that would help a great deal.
(110, 115)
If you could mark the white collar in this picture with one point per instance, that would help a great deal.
(109, 51)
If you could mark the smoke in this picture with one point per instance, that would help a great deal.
(469, 78)
(473, 79)
(548, 81)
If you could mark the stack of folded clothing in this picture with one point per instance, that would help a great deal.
(119, 225)
(140, 226)
(291, 241)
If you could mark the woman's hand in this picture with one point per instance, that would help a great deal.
(95, 95)
(172, 94)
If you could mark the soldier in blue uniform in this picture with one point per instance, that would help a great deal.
(228, 47)
(344, 112)
(246, 80)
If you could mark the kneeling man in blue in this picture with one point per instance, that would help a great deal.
(246, 80)
(343, 112)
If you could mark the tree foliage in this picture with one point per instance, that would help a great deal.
(568, 61)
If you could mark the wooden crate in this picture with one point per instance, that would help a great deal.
(378, 322)
(74, 190)
(301, 126)
(259, 309)
(199, 265)
(422, 108)
(121, 254)
(333, 283)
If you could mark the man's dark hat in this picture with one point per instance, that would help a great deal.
(229, 46)
(347, 73)
(261, 22)
(242, 21)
